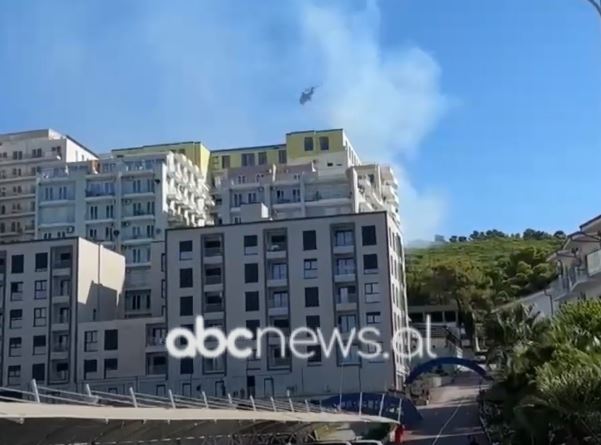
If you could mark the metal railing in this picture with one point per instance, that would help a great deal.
(46, 395)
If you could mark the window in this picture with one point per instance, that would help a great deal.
(40, 290)
(14, 347)
(252, 301)
(38, 372)
(373, 318)
(370, 263)
(262, 158)
(343, 238)
(251, 273)
(213, 275)
(316, 350)
(312, 321)
(282, 156)
(309, 240)
(416, 317)
(91, 341)
(185, 278)
(279, 271)
(14, 375)
(39, 316)
(185, 306)
(39, 344)
(368, 234)
(324, 143)
(309, 143)
(110, 364)
(436, 317)
(186, 366)
(346, 322)
(310, 268)
(345, 266)
(225, 161)
(89, 367)
(346, 294)
(372, 292)
(311, 296)
(185, 250)
(17, 264)
(278, 299)
(111, 340)
(253, 325)
(248, 159)
(16, 318)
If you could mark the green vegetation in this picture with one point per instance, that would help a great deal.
(549, 386)
(482, 271)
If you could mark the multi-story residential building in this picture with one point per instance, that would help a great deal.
(22, 155)
(343, 271)
(579, 264)
(314, 173)
(48, 287)
(126, 204)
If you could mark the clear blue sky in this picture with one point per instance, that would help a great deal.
(489, 111)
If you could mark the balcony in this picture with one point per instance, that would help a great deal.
(62, 268)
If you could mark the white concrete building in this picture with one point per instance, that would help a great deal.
(48, 287)
(22, 155)
(126, 204)
(331, 271)
(314, 173)
(579, 265)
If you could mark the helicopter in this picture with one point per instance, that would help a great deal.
(307, 95)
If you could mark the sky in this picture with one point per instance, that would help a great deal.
(489, 112)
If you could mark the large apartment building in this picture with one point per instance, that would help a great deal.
(48, 287)
(22, 156)
(314, 173)
(340, 271)
(125, 203)
(295, 234)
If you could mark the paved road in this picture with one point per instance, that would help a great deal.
(452, 417)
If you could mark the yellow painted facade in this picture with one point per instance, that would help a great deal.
(212, 161)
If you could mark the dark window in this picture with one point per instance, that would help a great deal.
(250, 245)
(16, 318)
(253, 325)
(248, 159)
(14, 347)
(251, 273)
(262, 158)
(111, 340)
(89, 366)
(316, 350)
(309, 143)
(416, 317)
(312, 321)
(370, 263)
(450, 316)
(225, 161)
(39, 341)
(309, 240)
(282, 156)
(185, 250)
(17, 264)
(324, 143)
(186, 366)
(110, 364)
(369, 235)
(252, 301)
(185, 306)
(436, 317)
(38, 372)
(311, 296)
(41, 261)
(185, 278)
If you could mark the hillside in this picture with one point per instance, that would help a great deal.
(483, 270)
